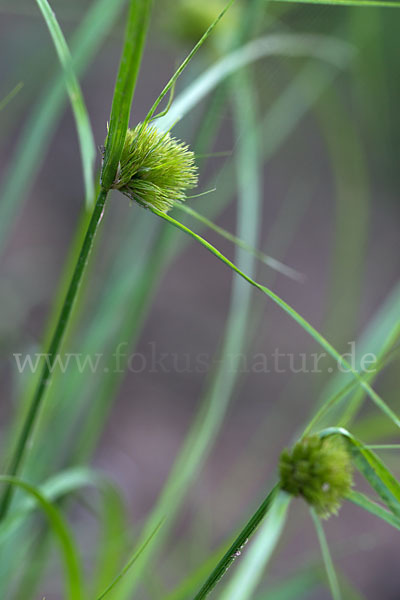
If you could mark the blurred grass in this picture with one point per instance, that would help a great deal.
(122, 306)
(43, 118)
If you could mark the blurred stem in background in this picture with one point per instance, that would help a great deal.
(138, 20)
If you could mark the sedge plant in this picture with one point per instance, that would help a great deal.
(156, 171)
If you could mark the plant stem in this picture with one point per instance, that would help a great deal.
(135, 35)
(33, 411)
(326, 555)
(229, 557)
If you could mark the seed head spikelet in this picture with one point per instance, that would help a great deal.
(319, 470)
(155, 169)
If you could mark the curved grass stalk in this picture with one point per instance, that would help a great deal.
(85, 134)
(181, 68)
(291, 312)
(321, 47)
(71, 560)
(267, 260)
(336, 398)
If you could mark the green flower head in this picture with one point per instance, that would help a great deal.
(319, 470)
(155, 169)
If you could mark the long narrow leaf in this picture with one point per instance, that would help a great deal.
(135, 34)
(250, 571)
(85, 134)
(325, 48)
(375, 509)
(41, 123)
(373, 469)
(61, 531)
(326, 555)
(291, 312)
(267, 260)
(359, 3)
(184, 64)
(229, 557)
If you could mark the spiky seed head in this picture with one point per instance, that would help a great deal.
(319, 470)
(155, 169)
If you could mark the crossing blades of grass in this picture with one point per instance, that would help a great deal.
(372, 468)
(222, 381)
(325, 48)
(74, 585)
(184, 64)
(331, 403)
(291, 312)
(85, 134)
(375, 509)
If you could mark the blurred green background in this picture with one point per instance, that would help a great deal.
(327, 165)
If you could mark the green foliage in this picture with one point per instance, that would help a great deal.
(319, 470)
(155, 169)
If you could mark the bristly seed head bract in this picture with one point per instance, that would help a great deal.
(319, 470)
(155, 169)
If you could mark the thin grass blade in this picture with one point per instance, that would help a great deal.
(7, 99)
(74, 583)
(267, 260)
(248, 575)
(291, 312)
(129, 564)
(358, 3)
(324, 48)
(135, 35)
(85, 134)
(326, 555)
(372, 507)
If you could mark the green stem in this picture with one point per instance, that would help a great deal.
(326, 555)
(291, 312)
(229, 557)
(135, 35)
(33, 411)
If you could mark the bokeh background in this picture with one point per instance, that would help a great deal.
(329, 155)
